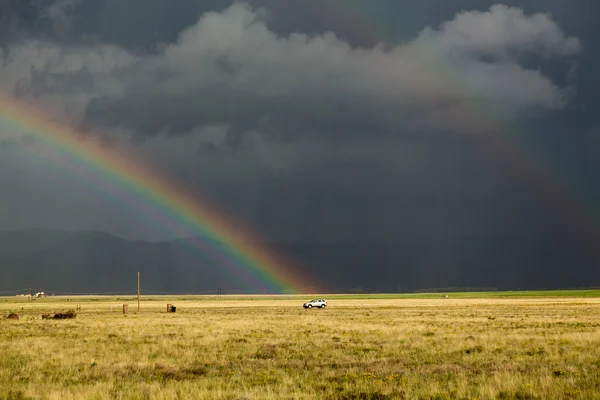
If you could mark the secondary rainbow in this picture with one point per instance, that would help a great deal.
(161, 199)
(551, 184)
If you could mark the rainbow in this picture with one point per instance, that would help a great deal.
(504, 141)
(147, 191)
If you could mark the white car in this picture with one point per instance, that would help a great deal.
(316, 303)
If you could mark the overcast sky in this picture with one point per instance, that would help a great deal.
(315, 121)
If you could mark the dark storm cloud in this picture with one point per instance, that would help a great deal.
(9, 26)
(308, 136)
(295, 102)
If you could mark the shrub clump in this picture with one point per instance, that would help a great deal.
(67, 315)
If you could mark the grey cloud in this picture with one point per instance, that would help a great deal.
(231, 69)
(502, 32)
(237, 108)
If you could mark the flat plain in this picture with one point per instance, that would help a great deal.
(269, 347)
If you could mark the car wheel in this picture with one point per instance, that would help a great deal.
(309, 306)
(322, 307)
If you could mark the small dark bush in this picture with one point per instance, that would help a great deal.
(67, 315)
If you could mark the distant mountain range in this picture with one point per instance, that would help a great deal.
(96, 262)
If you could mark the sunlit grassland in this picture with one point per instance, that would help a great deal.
(268, 347)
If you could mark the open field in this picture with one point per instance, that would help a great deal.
(268, 347)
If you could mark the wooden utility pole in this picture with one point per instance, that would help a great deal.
(138, 291)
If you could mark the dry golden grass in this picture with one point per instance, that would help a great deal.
(536, 348)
